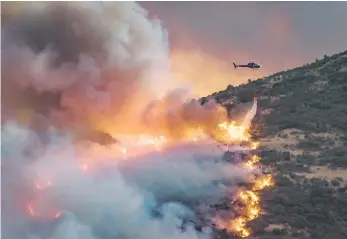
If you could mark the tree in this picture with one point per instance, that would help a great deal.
(279, 209)
(203, 100)
(286, 156)
(335, 182)
(278, 231)
(245, 95)
(230, 87)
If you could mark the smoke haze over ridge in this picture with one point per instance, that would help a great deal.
(278, 35)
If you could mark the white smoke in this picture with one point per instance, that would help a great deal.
(73, 68)
(102, 63)
(117, 199)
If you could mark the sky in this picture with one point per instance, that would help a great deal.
(206, 37)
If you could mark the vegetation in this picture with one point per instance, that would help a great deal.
(308, 112)
(313, 207)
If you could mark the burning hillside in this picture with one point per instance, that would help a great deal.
(100, 142)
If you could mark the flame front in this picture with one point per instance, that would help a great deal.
(251, 164)
(117, 91)
(238, 225)
(249, 198)
(134, 145)
(263, 182)
(227, 132)
(235, 133)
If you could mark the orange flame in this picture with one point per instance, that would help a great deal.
(263, 182)
(238, 225)
(248, 198)
(250, 164)
(234, 132)
(254, 145)
(227, 132)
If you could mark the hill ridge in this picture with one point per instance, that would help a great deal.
(302, 126)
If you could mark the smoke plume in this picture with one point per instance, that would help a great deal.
(77, 71)
(94, 68)
(114, 199)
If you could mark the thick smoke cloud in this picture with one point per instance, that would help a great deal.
(74, 71)
(82, 63)
(115, 200)
(94, 68)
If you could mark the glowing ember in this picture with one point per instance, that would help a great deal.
(42, 212)
(31, 210)
(254, 145)
(43, 186)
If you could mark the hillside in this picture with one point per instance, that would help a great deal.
(302, 126)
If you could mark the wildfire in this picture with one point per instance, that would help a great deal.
(249, 197)
(141, 145)
(43, 186)
(229, 133)
(120, 100)
(42, 213)
(250, 164)
(238, 225)
(254, 145)
(263, 182)
(235, 133)
(250, 200)
(157, 142)
(250, 211)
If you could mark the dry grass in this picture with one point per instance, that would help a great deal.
(286, 140)
(271, 227)
(279, 143)
(324, 172)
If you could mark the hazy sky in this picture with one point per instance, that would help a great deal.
(211, 35)
(206, 37)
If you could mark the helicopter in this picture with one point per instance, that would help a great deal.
(251, 64)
